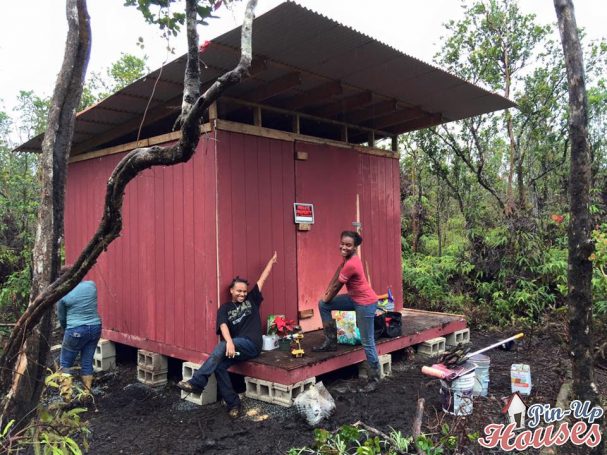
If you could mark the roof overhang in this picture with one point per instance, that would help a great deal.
(303, 62)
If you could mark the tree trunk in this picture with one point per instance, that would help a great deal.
(27, 382)
(127, 169)
(579, 275)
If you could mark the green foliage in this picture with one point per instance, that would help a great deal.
(127, 69)
(349, 439)
(159, 12)
(57, 429)
(599, 279)
(14, 294)
(18, 206)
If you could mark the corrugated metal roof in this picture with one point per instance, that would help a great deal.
(335, 64)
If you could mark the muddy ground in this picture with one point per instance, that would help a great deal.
(133, 419)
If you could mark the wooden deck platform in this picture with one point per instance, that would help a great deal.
(281, 367)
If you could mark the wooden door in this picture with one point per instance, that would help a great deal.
(328, 180)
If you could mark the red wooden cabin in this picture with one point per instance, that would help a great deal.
(304, 128)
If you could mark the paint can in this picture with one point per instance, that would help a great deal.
(457, 395)
(269, 343)
(481, 382)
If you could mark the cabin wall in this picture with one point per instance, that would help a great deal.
(190, 228)
(256, 191)
(157, 282)
(379, 190)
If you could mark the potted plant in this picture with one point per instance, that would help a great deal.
(283, 327)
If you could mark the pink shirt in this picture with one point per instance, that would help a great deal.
(353, 276)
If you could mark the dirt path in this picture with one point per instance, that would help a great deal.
(133, 419)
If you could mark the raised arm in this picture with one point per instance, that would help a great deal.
(266, 272)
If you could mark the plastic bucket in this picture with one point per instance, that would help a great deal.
(270, 342)
(481, 383)
(457, 395)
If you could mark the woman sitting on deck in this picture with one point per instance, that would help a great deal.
(239, 324)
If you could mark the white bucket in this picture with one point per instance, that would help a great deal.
(270, 342)
(481, 382)
(457, 395)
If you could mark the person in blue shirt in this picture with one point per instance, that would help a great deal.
(239, 324)
(78, 316)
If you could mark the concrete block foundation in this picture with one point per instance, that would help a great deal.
(208, 395)
(273, 392)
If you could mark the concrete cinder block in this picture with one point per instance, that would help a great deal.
(208, 395)
(432, 348)
(385, 367)
(258, 389)
(151, 378)
(457, 337)
(152, 361)
(105, 349)
(273, 392)
(104, 364)
(285, 394)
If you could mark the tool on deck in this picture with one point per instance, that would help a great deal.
(297, 351)
(453, 362)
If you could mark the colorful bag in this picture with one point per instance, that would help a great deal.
(347, 331)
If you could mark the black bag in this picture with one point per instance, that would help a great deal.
(393, 324)
(379, 323)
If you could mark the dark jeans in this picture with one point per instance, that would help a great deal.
(80, 340)
(218, 363)
(365, 318)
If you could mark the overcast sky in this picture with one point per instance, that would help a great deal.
(32, 37)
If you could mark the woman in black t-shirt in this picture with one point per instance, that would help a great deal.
(239, 324)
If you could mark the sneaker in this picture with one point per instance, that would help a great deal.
(188, 387)
(234, 412)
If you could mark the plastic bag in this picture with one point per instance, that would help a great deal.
(315, 404)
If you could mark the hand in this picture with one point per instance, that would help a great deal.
(230, 350)
(274, 259)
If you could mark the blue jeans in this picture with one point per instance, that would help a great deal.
(218, 363)
(80, 340)
(365, 317)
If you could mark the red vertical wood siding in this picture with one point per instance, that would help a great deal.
(327, 179)
(158, 281)
(379, 193)
(256, 190)
(162, 280)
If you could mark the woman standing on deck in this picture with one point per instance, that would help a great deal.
(360, 297)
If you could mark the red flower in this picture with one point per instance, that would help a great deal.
(283, 326)
(558, 219)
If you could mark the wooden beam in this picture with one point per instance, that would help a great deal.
(314, 95)
(213, 111)
(396, 118)
(383, 107)
(257, 117)
(345, 104)
(417, 124)
(395, 143)
(148, 142)
(344, 133)
(275, 87)
(301, 115)
(287, 136)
